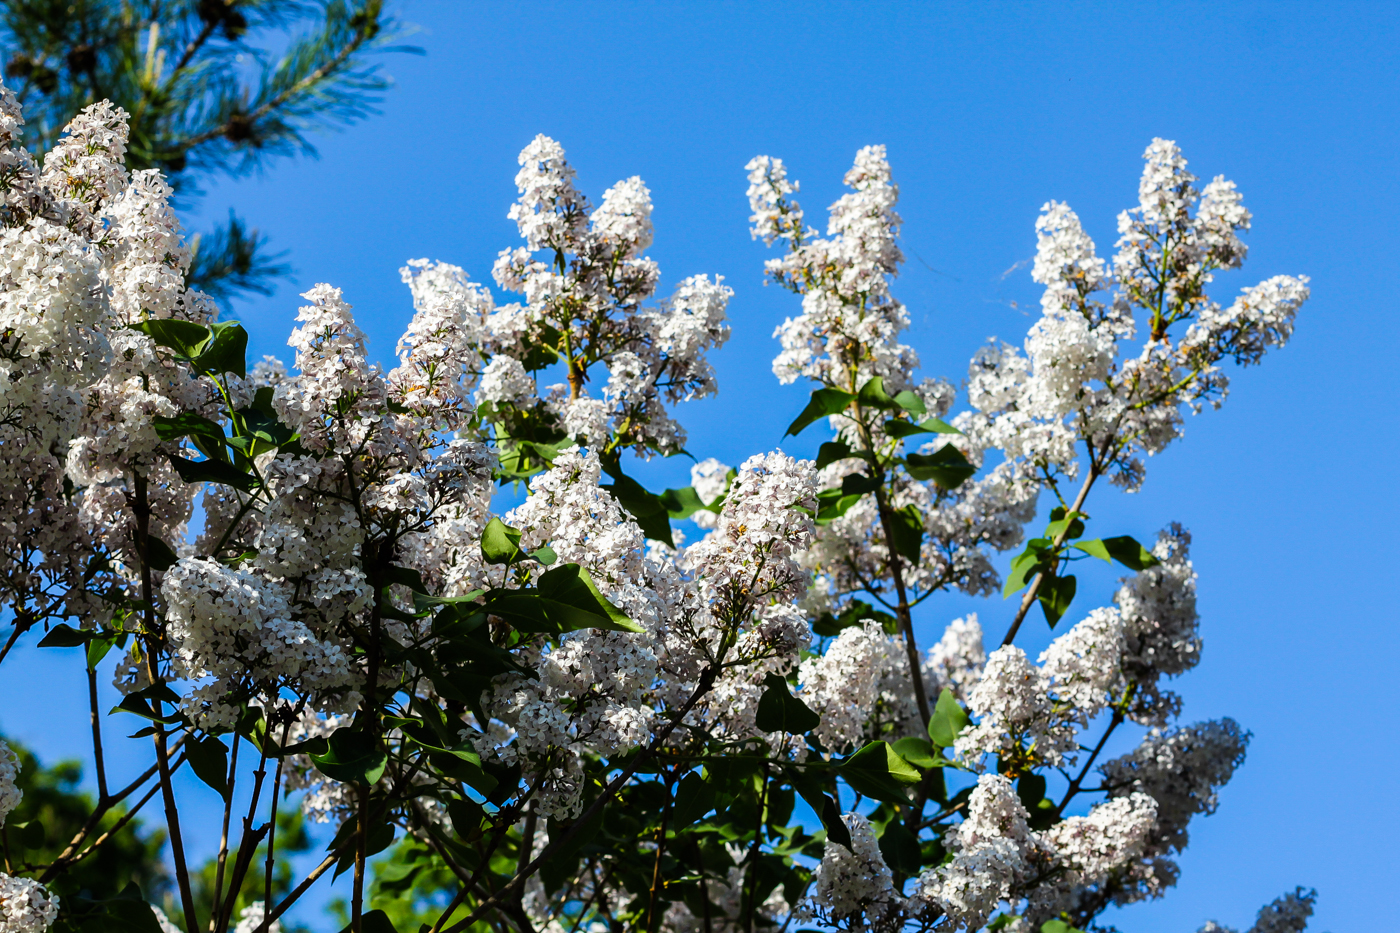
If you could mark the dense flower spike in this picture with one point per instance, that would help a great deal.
(586, 720)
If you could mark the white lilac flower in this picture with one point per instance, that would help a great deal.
(854, 886)
(26, 906)
(10, 794)
(1014, 709)
(1183, 770)
(1084, 664)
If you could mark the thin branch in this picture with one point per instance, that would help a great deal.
(1029, 599)
(98, 757)
(1084, 772)
(172, 813)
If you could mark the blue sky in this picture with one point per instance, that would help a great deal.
(988, 111)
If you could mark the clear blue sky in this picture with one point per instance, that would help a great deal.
(988, 111)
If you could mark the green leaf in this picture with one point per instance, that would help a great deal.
(213, 471)
(894, 427)
(1129, 553)
(1094, 548)
(99, 646)
(352, 757)
(160, 555)
(824, 402)
(854, 613)
(30, 835)
(1055, 595)
(948, 719)
(681, 503)
(128, 912)
(226, 351)
(406, 576)
(65, 636)
(946, 466)
(570, 584)
(1070, 523)
(825, 808)
(919, 752)
(1042, 811)
(647, 508)
(566, 600)
(907, 533)
(208, 758)
(694, 798)
(873, 395)
(562, 865)
(185, 424)
(466, 816)
(1036, 557)
(260, 430)
(878, 772)
(1058, 926)
(374, 921)
(186, 338)
(831, 452)
(500, 543)
(910, 402)
(134, 704)
(901, 849)
(780, 711)
(545, 555)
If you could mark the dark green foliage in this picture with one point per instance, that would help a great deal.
(52, 799)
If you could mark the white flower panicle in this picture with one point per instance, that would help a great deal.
(237, 629)
(764, 524)
(992, 855)
(26, 906)
(10, 794)
(843, 685)
(1084, 664)
(1075, 387)
(87, 169)
(440, 352)
(957, 660)
(1182, 769)
(1160, 626)
(1286, 914)
(854, 887)
(1016, 711)
(775, 214)
(850, 324)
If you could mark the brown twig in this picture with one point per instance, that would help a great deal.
(1029, 599)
